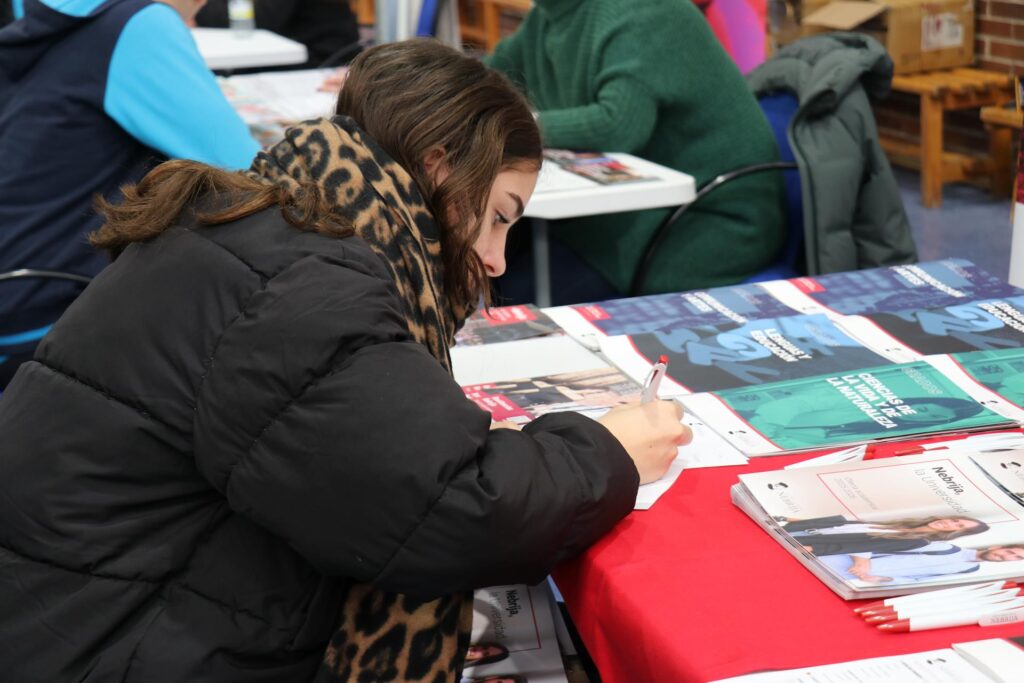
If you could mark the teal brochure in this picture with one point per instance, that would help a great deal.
(1001, 371)
(843, 408)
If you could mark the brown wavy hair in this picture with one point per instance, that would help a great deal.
(915, 528)
(411, 97)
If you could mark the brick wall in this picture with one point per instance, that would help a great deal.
(999, 46)
(1000, 35)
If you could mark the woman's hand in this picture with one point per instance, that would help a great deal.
(651, 433)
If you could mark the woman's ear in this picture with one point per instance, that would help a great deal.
(435, 166)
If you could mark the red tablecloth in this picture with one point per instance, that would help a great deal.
(693, 590)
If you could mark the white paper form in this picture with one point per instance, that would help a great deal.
(934, 666)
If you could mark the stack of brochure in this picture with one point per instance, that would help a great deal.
(773, 368)
(505, 323)
(925, 286)
(995, 660)
(514, 637)
(522, 380)
(895, 526)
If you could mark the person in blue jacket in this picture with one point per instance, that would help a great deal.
(93, 93)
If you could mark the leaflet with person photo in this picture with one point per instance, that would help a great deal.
(969, 326)
(738, 304)
(933, 284)
(713, 357)
(505, 323)
(849, 408)
(893, 525)
(922, 286)
(595, 166)
(513, 638)
(592, 393)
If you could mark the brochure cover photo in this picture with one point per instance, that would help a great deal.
(662, 312)
(971, 326)
(933, 284)
(893, 523)
(843, 409)
(713, 357)
(505, 323)
(523, 400)
(595, 166)
(513, 638)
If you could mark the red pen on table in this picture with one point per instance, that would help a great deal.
(958, 617)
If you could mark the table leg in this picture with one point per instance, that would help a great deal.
(1001, 158)
(931, 151)
(541, 262)
(492, 24)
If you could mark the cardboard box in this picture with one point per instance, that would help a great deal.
(920, 35)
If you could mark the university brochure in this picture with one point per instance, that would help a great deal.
(892, 526)
(595, 166)
(522, 380)
(513, 638)
(996, 660)
(930, 285)
(712, 357)
(969, 326)
(932, 396)
(505, 323)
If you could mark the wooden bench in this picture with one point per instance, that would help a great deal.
(492, 10)
(947, 90)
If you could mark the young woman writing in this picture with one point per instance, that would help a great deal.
(240, 455)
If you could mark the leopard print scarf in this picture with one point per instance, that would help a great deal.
(383, 636)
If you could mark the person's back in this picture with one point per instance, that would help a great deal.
(92, 95)
(649, 78)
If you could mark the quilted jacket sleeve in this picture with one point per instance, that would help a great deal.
(322, 421)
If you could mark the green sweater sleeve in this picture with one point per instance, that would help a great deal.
(508, 56)
(621, 120)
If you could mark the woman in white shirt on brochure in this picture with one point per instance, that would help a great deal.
(933, 561)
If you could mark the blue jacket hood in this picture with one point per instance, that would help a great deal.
(24, 42)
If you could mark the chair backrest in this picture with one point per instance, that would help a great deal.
(779, 108)
(426, 27)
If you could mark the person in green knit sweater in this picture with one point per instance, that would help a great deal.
(648, 77)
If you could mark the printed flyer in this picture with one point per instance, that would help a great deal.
(505, 323)
(921, 286)
(711, 357)
(918, 520)
(513, 638)
(523, 400)
(971, 326)
(842, 409)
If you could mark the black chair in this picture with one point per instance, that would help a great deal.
(779, 109)
(17, 347)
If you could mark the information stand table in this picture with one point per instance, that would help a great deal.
(561, 194)
(693, 590)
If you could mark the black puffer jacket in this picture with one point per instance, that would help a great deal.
(227, 426)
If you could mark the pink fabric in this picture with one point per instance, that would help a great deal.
(740, 26)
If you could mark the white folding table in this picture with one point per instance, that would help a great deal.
(563, 194)
(224, 49)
